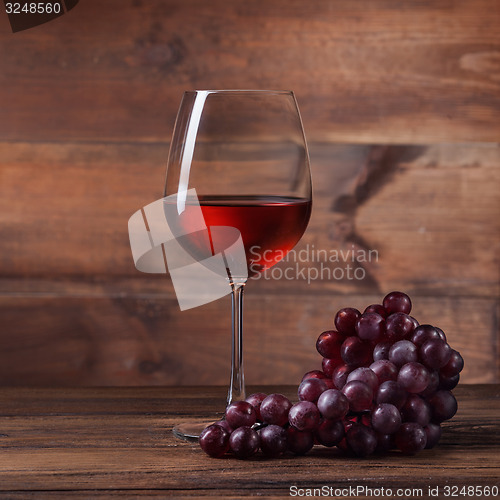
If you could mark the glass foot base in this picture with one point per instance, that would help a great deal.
(190, 431)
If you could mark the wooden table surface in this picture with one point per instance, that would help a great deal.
(109, 442)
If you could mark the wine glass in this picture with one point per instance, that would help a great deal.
(238, 159)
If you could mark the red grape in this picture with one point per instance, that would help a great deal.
(413, 377)
(370, 326)
(398, 326)
(397, 302)
(385, 442)
(443, 406)
(391, 392)
(329, 383)
(359, 395)
(433, 432)
(403, 352)
(214, 440)
(423, 333)
(448, 383)
(376, 308)
(223, 423)
(299, 442)
(416, 324)
(355, 352)
(314, 374)
(311, 389)
(361, 440)
(411, 438)
(328, 366)
(386, 418)
(345, 320)
(381, 351)
(454, 366)
(333, 404)
(304, 416)
(384, 370)
(273, 440)
(274, 409)
(244, 442)
(240, 413)
(329, 343)
(256, 400)
(432, 386)
(340, 375)
(416, 410)
(441, 334)
(435, 353)
(365, 375)
(329, 432)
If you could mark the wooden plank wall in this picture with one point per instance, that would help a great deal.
(400, 102)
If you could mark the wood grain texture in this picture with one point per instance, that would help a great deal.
(148, 341)
(74, 310)
(368, 71)
(107, 442)
(64, 210)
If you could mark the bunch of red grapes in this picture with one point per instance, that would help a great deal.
(385, 384)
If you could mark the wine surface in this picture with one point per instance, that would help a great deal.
(270, 226)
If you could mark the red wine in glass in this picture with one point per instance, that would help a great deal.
(270, 226)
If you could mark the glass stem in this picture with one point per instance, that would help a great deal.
(237, 384)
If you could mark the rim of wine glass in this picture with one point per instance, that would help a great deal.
(239, 91)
